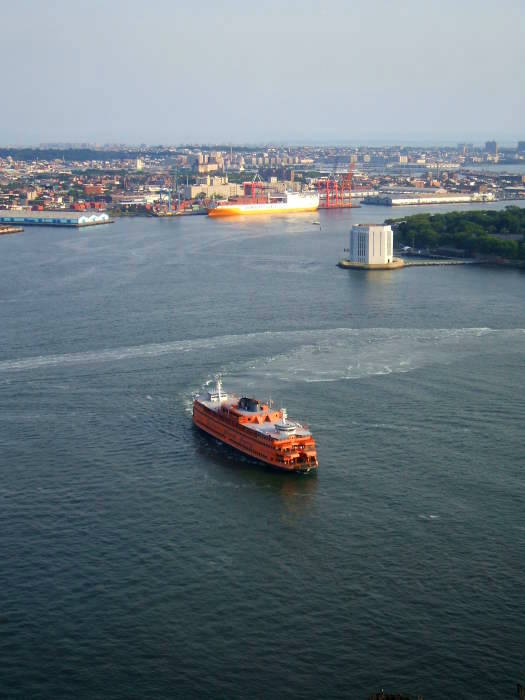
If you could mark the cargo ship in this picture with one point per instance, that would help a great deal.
(253, 428)
(285, 203)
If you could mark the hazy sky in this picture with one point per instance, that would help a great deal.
(167, 71)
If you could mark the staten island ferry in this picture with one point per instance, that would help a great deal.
(253, 428)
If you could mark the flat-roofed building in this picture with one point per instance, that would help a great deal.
(448, 198)
(371, 248)
(53, 218)
(217, 186)
(371, 244)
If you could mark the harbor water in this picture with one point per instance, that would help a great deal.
(141, 559)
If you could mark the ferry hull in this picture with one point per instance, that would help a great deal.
(256, 460)
(246, 443)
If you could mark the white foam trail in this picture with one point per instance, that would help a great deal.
(315, 355)
(116, 354)
(344, 354)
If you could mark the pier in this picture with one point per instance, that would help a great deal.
(398, 264)
(428, 263)
(395, 264)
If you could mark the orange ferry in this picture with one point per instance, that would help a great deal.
(256, 430)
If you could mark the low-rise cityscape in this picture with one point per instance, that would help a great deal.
(167, 180)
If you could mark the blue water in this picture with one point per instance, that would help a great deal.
(140, 559)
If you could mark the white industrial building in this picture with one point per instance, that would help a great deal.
(371, 244)
(400, 200)
(53, 218)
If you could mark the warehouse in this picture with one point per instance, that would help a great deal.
(449, 198)
(53, 218)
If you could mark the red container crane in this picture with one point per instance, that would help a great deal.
(336, 194)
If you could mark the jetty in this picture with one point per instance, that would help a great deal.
(427, 263)
(394, 264)
(398, 263)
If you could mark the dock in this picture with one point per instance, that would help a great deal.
(396, 264)
(427, 263)
(399, 264)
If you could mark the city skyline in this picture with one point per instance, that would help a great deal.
(432, 143)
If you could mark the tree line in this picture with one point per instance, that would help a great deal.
(474, 232)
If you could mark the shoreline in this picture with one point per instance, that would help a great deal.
(513, 264)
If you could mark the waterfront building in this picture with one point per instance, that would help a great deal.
(406, 200)
(371, 244)
(53, 218)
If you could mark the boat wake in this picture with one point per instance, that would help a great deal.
(346, 354)
(311, 356)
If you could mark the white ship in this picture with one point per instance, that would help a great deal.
(286, 203)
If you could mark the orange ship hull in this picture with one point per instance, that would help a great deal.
(294, 453)
(240, 211)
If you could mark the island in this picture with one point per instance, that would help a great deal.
(497, 236)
